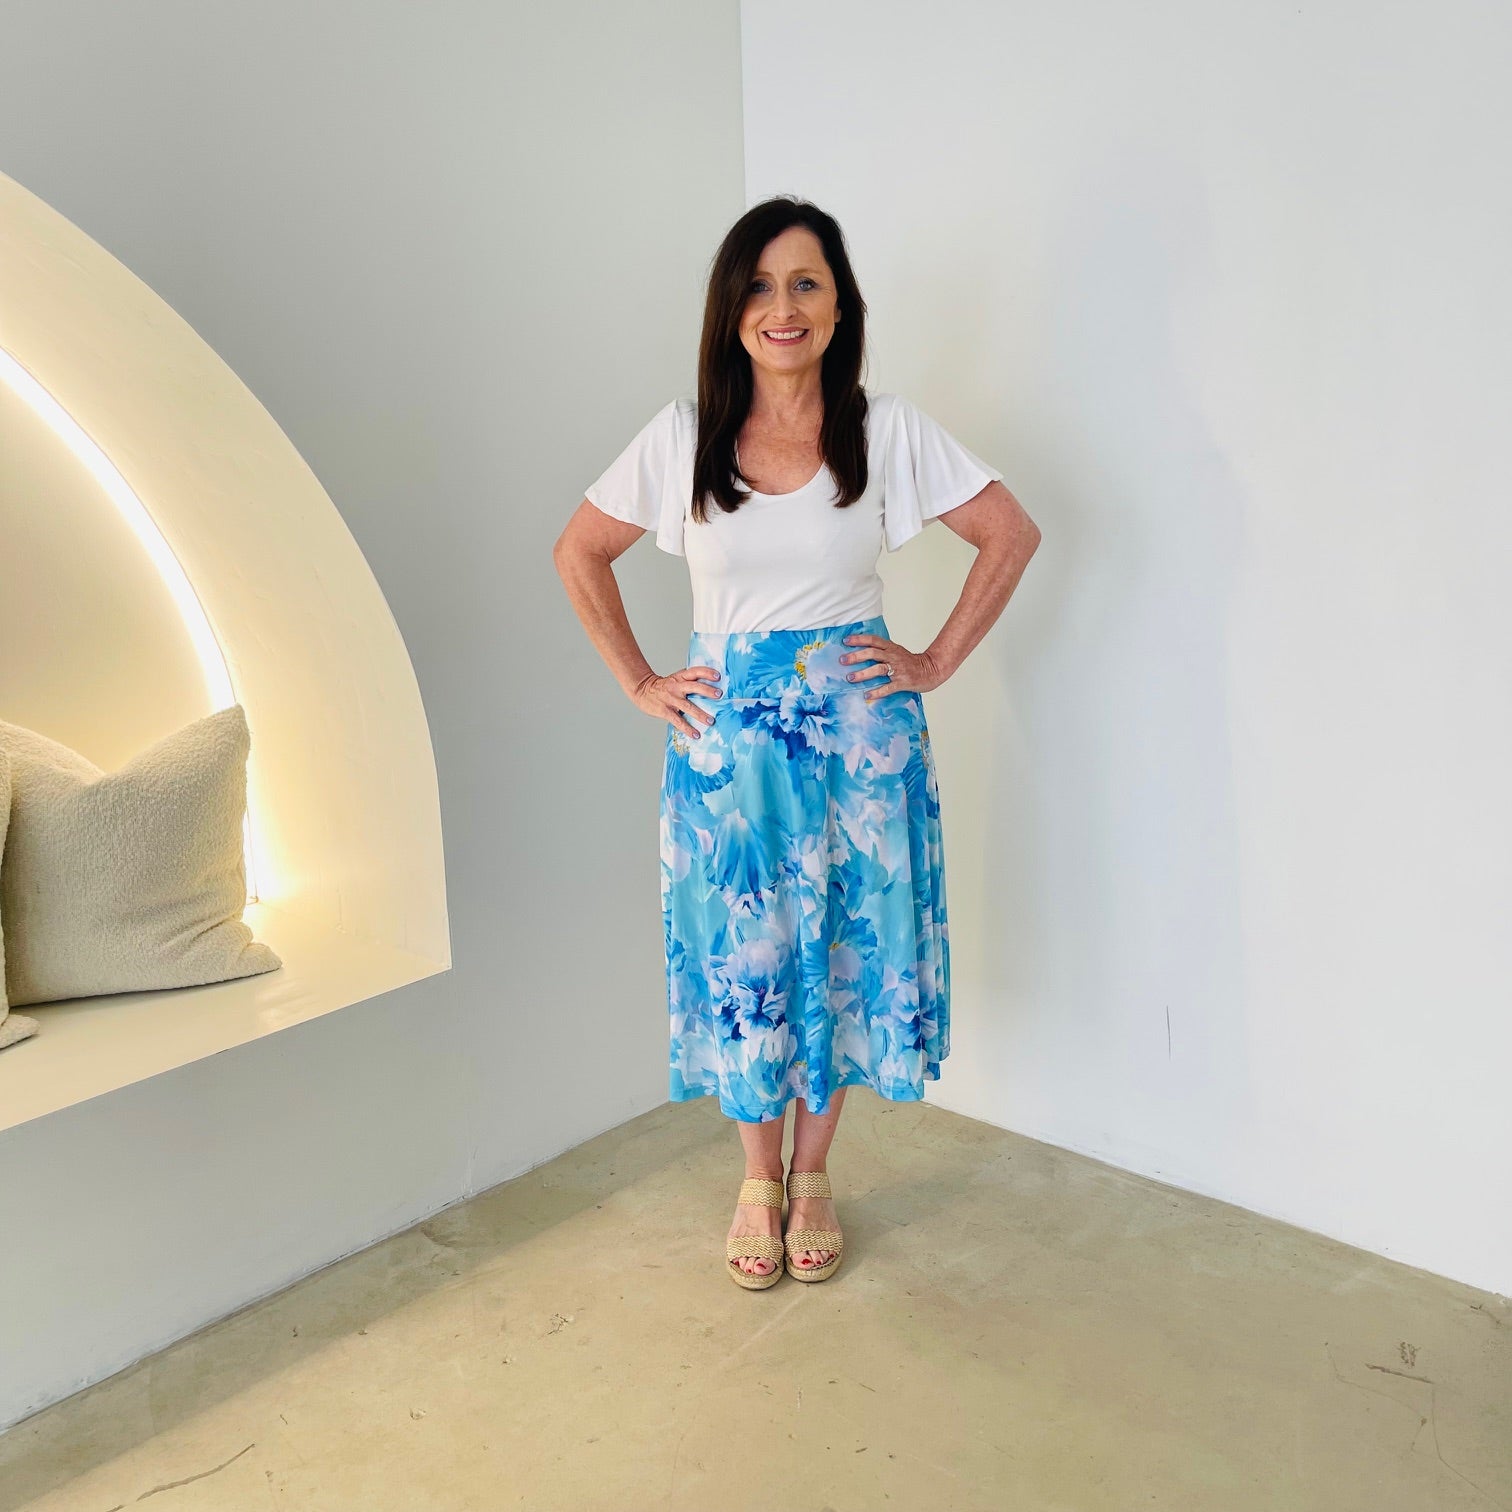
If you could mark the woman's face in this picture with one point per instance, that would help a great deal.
(792, 291)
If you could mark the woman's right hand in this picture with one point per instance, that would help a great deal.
(668, 697)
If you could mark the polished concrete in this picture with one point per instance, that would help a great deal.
(1014, 1327)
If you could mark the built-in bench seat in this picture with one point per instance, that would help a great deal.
(89, 1046)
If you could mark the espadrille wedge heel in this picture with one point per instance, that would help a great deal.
(756, 1191)
(811, 1184)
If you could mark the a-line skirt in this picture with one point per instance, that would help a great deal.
(803, 880)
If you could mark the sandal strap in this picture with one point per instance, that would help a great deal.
(820, 1239)
(808, 1184)
(760, 1191)
(754, 1246)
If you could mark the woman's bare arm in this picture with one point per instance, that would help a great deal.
(584, 555)
(1005, 537)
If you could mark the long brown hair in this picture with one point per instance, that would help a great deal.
(725, 382)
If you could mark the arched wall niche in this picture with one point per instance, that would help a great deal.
(344, 813)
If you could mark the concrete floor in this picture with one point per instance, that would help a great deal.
(1014, 1327)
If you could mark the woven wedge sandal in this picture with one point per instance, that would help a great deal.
(756, 1191)
(811, 1184)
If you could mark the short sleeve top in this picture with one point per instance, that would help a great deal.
(791, 561)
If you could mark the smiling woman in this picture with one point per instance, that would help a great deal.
(806, 937)
(804, 281)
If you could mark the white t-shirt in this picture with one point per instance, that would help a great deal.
(791, 561)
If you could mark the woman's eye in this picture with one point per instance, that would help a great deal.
(760, 283)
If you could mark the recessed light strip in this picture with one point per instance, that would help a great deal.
(196, 622)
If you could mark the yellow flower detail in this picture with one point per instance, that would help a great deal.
(800, 665)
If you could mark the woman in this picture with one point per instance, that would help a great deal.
(802, 874)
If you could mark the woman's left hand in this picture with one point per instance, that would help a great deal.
(910, 670)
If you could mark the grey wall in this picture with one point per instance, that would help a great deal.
(457, 251)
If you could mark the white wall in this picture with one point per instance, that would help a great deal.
(1222, 289)
(432, 241)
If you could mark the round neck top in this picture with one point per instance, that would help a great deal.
(791, 561)
(756, 493)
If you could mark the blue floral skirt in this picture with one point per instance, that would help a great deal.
(802, 880)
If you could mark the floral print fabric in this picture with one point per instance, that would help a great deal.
(802, 879)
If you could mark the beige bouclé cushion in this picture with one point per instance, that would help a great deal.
(13, 1026)
(127, 880)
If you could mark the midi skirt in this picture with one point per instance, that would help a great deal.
(802, 880)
